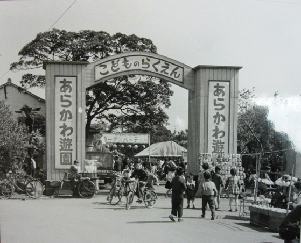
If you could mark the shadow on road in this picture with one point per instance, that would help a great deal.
(233, 217)
(260, 229)
(150, 222)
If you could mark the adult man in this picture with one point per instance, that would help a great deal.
(178, 188)
(74, 170)
(73, 174)
(117, 164)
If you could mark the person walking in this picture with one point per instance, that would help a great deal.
(190, 191)
(219, 183)
(208, 192)
(170, 175)
(178, 186)
(233, 188)
(205, 167)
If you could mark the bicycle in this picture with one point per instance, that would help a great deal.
(21, 184)
(129, 191)
(81, 186)
(116, 190)
(149, 196)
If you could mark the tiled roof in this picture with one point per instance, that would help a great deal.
(9, 82)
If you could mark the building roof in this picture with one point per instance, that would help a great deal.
(25, 91)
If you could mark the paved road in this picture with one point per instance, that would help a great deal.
(66, 219)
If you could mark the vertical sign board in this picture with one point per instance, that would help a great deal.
(218, 116)
(65, 121)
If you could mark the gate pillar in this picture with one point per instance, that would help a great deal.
(212, 113)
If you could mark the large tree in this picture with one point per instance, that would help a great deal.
(122, 101)
(257, 135)
(13, 141)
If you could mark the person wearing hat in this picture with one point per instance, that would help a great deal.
(219, 183)
(74, 170)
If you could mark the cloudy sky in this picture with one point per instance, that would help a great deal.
(262, 36)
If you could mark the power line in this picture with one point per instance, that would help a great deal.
(62, 15)
(4, 74)
(49, 28)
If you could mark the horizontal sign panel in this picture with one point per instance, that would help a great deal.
(144, 63)
(133, 138)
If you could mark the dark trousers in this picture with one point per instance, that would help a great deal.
(177, 201)
(210, 201)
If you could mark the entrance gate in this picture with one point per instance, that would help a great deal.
(212, 104)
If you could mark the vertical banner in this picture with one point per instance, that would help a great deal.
(65, 121)
(218, 116)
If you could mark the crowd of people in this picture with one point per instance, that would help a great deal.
(207, 184)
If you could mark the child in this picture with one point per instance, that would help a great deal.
(233, 188)
(151, 179)
(190, 191)
(209, 192)
(218, 181)
(178, 186)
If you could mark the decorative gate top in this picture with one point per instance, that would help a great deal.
(144, 63)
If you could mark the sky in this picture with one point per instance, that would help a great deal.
(261, 36)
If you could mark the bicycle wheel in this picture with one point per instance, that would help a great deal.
(34, 189)
(147, 198)
(6, 189)
(129, 200)
(86, 189)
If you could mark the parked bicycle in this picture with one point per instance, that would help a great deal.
(149, 195)
(21, 183)
(81, 187)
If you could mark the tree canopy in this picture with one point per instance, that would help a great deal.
(256, 134)
(125, 102)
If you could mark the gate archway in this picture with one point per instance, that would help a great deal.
(212, 103)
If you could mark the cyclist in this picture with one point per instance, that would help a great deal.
(151, 179)
(141, 175)
(73, 174)
(119, 182)
(74, 170)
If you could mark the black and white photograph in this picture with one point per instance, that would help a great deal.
(143, 121)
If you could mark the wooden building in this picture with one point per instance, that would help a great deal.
(16, 97)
